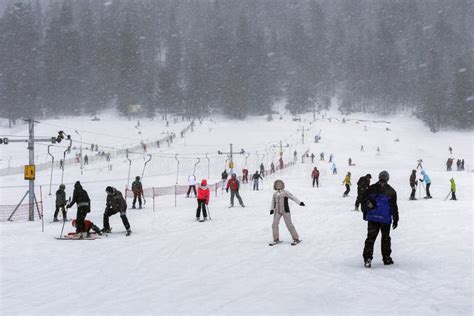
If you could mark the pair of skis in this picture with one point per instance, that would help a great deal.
(294, 243)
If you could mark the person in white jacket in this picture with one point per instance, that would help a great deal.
(280, 208)
(192, 185)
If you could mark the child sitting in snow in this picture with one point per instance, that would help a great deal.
(88, 225)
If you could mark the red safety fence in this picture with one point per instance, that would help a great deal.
(19, 212)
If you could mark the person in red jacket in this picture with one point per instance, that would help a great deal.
(88, 227)
(234, 185)
(245, 175)
(202, 199)
(315, 176)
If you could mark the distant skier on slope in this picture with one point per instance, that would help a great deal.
(280, 208)
(224, 177)
(315, 176)
(137, 190)
(334, 168)
(362, 187)
(347, 183)
(60, 203)
(255, 179)
(262, 170)
(115, 204)
(234, 185)
(203, 200)
(192, 185)
(426, 179)
(453, 189)
(379, 207)
(413, 184)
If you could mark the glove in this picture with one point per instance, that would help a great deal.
(369, 204)
(302, 204)
(394, 225)
(271, 212)
(227, 190)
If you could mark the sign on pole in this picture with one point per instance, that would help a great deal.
(30, 172)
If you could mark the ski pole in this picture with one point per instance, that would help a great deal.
(209, 212)
(64, 220)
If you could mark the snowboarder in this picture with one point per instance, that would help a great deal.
(80, 197)
(137, 190)
(224, 176)
(379, 207)
(60, 203)
(362, 187)
(245, 175)
(453, 189)
(315, 176)
(334, 168)
(347, 183)
(312, 157)
(413, 184)
(426, 179)
(88, 227)
(279, 209)
(192, 185)
(420, 162)
(203, 200)
(255, 178)
(234, 185)
(115, 204)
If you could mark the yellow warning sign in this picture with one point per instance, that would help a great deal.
(231, 165)
(30, 172)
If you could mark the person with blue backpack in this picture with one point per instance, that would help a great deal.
(379, 208)
(426, 179)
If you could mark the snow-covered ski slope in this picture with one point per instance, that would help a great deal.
(174, 265)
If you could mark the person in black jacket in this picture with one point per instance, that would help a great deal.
(60, 203)
(224, 176)
(255, 179)
(362, 186)
(379, 207)
(413, 184)
(115, 204)
(80, 197)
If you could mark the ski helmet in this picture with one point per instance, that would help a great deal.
(384, 176)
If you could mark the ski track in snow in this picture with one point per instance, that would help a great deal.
(172, 264)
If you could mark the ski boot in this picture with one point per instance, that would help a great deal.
(129, 232)
(55, 219)
(106, 230)
(134, 207)
(368, 263)
(295, 242)
(387, 261)
(275, 242)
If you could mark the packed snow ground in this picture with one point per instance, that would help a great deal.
(172, 264)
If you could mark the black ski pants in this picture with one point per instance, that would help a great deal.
(348, 189)
(373, 229)
(80, 218)
(135, 197)
(191, 187)
(413, 191)
(255, 185)
(201, 206)
(428, 189)
(453, 196)
(360, 194)
(123, 216)
(316, 180)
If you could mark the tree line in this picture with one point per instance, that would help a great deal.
(198, 57)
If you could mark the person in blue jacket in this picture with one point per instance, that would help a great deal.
(427, 182)
(379, 207)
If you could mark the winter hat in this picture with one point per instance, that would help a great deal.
(137, 178)
(369, 176)
(77, 185)
(384, 176)
(234, 175)
(62, 186)
(109, 189)
(203, 182)
(423, 172)
(279, 185)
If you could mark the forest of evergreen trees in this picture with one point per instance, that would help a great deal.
(238, 57)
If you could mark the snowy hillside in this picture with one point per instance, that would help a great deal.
(174, 265)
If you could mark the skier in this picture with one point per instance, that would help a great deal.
(347, 183)
(450, 150)
(234, 186)
(349, 162)
(80, 197)
(458, 165)
(462, 164)
(61, 164)
(361, 147)
(312, 157)
(86, 160)
(262, 169)
(378, 151)
(137, 190)
(453, 189)
(192, 185)
(321, 156)
(88, 227)
(362, 187)
(115, 204)
(427, 181)
(413, 184)
(60, 203)
(203, 200)
(279, 209)
(295, 156)
(255, 178)
(379, 207)
(420, 161)
(245, 175)
(224, 176)
(281, 163)
(449, 164)
(331, 156)
(333, 168)
(315, 176)
(272, 167)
